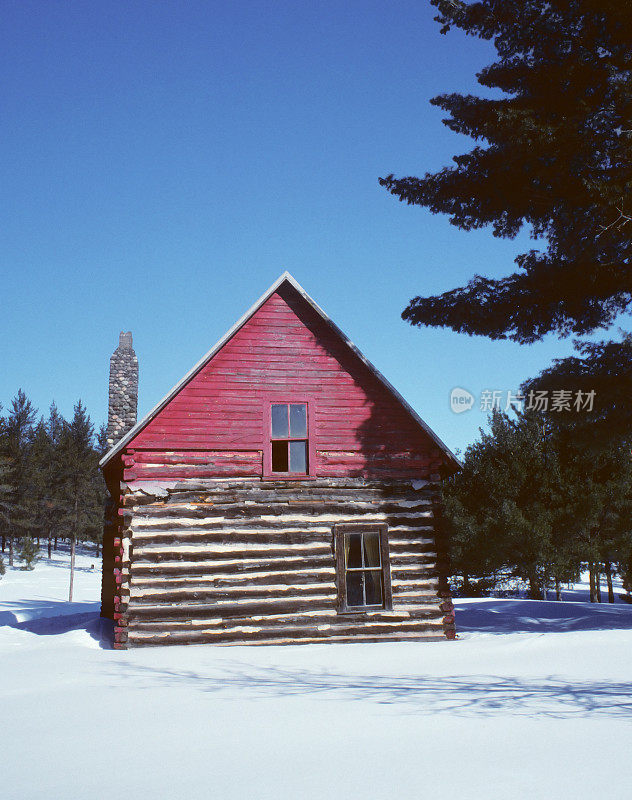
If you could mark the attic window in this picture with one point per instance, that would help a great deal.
(289, 438)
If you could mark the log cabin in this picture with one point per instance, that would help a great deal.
(282, 492)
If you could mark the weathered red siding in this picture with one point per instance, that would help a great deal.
(214, 426)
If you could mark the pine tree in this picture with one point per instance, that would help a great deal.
(602, 372)
(595, 448)
(532, 501)
(40, 458)
(500, 506)
(5, 505)
(28, 553)
(78, 462)
(54, 427)
(17, 441)
(553, 153)
(5, 487)
(101, 492)
(611, 474)
(102, 441)
(54, 424)
(44, 465)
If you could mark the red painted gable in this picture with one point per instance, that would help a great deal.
(216, 424)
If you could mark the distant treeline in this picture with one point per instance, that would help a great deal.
(50, 485)
(541, 501)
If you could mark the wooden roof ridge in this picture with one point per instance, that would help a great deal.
(286, 277)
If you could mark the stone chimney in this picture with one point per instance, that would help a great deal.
(123, 401)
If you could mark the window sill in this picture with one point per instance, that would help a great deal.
(277, 476)
(362, 612)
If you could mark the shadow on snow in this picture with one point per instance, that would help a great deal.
(540, 616)
(52, 618)
(461, 695)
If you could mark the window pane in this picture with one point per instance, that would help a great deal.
(279, 457)
(371, 549)
(298, 420)
(298, 457)
(354, 589)
(353, 549)
(373, 587)
(279, 421)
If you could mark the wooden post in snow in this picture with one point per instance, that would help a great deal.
(73, 542)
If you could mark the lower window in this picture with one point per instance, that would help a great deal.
(363, 569)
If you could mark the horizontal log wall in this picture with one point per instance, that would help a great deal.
(251, 561)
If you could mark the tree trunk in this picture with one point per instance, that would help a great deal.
(72, 567)
(597, 582)
(55, 545)
(98, 549)
(535, 587)
(558, 590)
(593, 591)
(4, 541)
(73, 541)
(49, 547)
(11, 550)
(608, 571)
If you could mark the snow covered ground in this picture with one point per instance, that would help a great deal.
(533, 701)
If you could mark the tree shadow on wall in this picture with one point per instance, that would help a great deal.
(389, 443)
(383, 444)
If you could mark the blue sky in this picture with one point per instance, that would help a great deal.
(162, 162)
